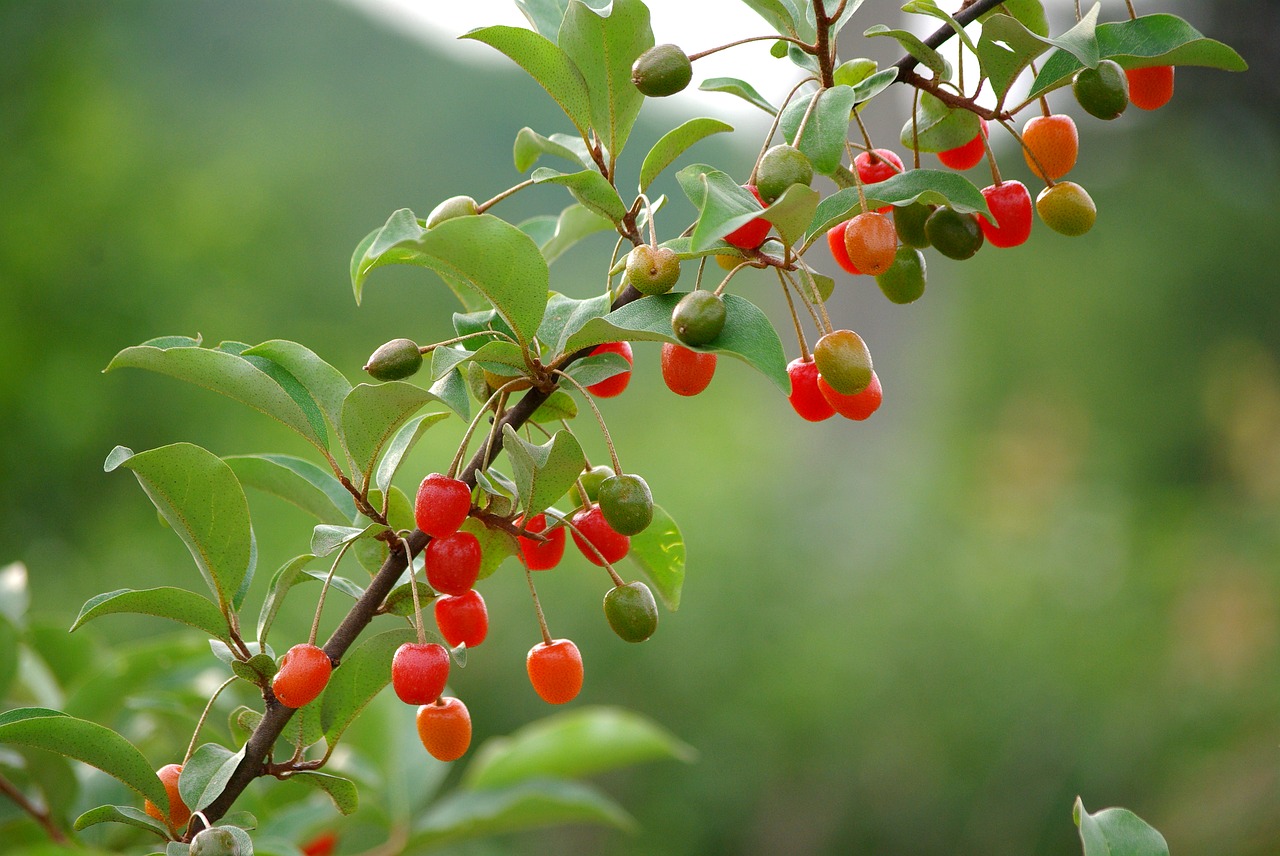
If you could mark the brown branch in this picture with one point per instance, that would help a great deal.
(946, 96)
(41, 816)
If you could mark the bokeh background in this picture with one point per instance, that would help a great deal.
(1048, 567)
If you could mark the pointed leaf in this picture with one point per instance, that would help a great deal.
(528, 805)
(283, 580)
(342, 791)
(1081, 41)
(675, 143)
(546, 63)
(543, 473)
(451, 390)
(574, 223)
(326, 385)
(1117, 832)
(371, 415)
(1030, 13)
(590, 188)
(206, 773)
(740, 88)
(929, 7)
(723, 205)
(125, 814)
(826, 131)
(173, 603)
(570, 317)
(401, 444)
(530, 145)
(590, 370)
(659, 551)
(1005, 49)
(297, 481)
(915, 46)
(873, 85)
(325, 538)
(791, 212)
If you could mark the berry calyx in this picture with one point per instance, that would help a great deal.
(904, 281)
(396, 360)
(1103, 91)
(955, 235)
(843, 359)
(542, 555)
(781, 167)
(419, 672)
(652, 270)
(871, 241)
(686, 372)
(631, 611)
(463, 619)
(612, 386)
(806, 399)
(214, 841)
(969, 155)
(626, 503)
(1010, 204)
(909, 220)
(1150, 88)
(444, 728)
(442, 505)
(454, 206)
(1054, 142)
(591, 529)
(303, 674)
(662, 70)
(835, 240)
(453, 562)
(857, 407)
(555, 670)
(179, 814)
(751, 235)
(699, 317)
(1066, 208)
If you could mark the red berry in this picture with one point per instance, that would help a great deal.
(967, 156)
(751, 235)
(871, 242)
(322, 845)
(858, 406)
(442, 505)
(840, 252)
(463, 619)
(304, 672)
(1150, 88)
(445, 728)
(611, 386)
(596, 532)
(805, 396)
(686, 372)
(1010, 204)
(877, 165)
(555, 670)
(453, 562)
(541, 555)
(179, 814)
(419, 672)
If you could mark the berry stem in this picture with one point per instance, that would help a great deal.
(426, 349)
(648, 208)
(617, 580)
(413, 589)
(191, 747)
(795, 319)
(804, 298)
(510, 191)
(804, 46)
(1030, 153)
(324, 590)
(604, 429)
(720, 288)
(1132, 12)
(991, 159)
(537, 605)
(817, 298)
(875, 158)
(697, 283)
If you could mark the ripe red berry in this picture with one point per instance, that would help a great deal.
(555, 670)
(805, 396)
(685, 371)
(877, 165)
(304, 672)
(445, 728)
(453, 562)
(322, 845)
(542, 555)
(839, 252)
(1150, 88)
(596, 532)
(1010, 204)
(858, 406)
(179, 814)
(611, 386)
(751, 235)
(419, 672)
(967, 156)
(463, 619)
(442, 505)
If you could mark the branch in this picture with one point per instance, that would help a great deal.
(970, 12)
(41, 816)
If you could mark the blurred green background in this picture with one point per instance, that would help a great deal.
(1047, 567)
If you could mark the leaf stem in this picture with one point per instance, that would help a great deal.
(537, 605)
(413, 589)
(773, 37)
(324, 590)
(510, 191)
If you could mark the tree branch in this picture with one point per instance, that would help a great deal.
(41, 816)
(969, 13)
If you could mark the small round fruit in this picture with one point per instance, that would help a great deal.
(445, 728)
(1103, 91)
(454, 206)
(442, 505)
(843, 359)
(751, 235)
(839, 252)
(396, 360)
(303, 674)
(322, 845)
(626, 503)
(591, 530)
(419, 672)
(877, 165)
(463, 619)
(699, 317)
(970, 154)
(215, 841)
(1066, 208)
(555, 670)
(857, 407)
(453, 562)
(904, 281)
(955, 235)
(631, 611)
(686, 372)
(806, 399)
(1150, 88)
(179, 814)
(590, 480)
(1051, 142)
(1010, 204)
(870, 241)
(542, 555)
(612, 386)
(662, 70)
(652, 270)
(781, 167)
(909, 221)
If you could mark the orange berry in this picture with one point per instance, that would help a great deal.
(1054, 142)
(179, 814)
(304, 672)
(445, 728)
(871, 242)
(1150, 88)
(555, 670)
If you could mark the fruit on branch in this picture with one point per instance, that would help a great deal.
(970, 154)
(303, 674)
(396, 360)
(1103, 91)
(652, 270)
(1051, 142)
(1150, 88)
(857, 407)
(627, 504)
(1010, 204)
(1066, 208)
(555, 670)
(686, 372)
(442, 505)
(444, 728)
(806, 399)
(543, 555)
(591, 529)
(419, 672)
(751, 235)
(698, 318)
(179, 814)
(875, 166)
(781, 167)
(322, 845)
(453, 562)
(904, 281)
(614, 385)
(463, 619)
(955, 235)
(871, 241)
(631, 611)
(662, 70)
(214, 841)
(843, 359)
(908, 222)
(835, 240)
(454, 206)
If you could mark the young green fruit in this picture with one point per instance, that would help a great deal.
(590, 480)
(454, 206)
(626, 503)
(1102, 91)
(909, 222)
(698, 318)
(781, 167)
(843, 359)
(662, 70)
(396, 360)
(1066, 208)
(652, 270)
(955, 235)
(903, 282)
(631, 611)
(215, 841)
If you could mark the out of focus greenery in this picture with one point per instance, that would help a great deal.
(1048, 567)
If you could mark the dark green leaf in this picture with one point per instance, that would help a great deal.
(325, 384)
(543, 473)
(496, 545)
(590, 188)
(675, 143)
(173, 603)
(546, 63)
(659, 551)
(342, 791)
(257, 670)
(569, 317)
(502, 358)
(740, 88)
(364, 672)
(371, 415)
(913, 45)
(242, 721)
(297, 481)
(530, 145)
(1005, 49)
(1117, 832)
(401, 444)
(827, 129)
(400, 600)
(589, 371)
(1030, 13)
(125, 814)
(723, 205)
(938, 127)
(206, 773)
(304, 728)
(559, 406)
(283, 580)
(528, 805)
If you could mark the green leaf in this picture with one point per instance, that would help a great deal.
(125, 814)
(14, 594)
(84, 741)
(1005, 48)
(675, 143)
(452, 392)
(723, 205)
(364, 672)
(578, 743)
(1117, 832)
(938, 127)
(776, 14)
(543, 473)
(400, 599)
(325, 384)
(748, 335)
(530, 145)
(173, 603)
(371, 415)
(258, 669)
(826, 131)
(928, 7)
(1081, 41)
(200, 498)
(590, 370)
(544, 15)
(566, 316)
(913, 45)
(325, 538)
(547, 64)
(177, 848)
(873, 85)
(304, 728)
(659, 551)
(604, 47)
(1030, 13)
(342, 791)
(283, 580)
(560, 405)
(590, 188)
(571, 226)
(206, 773)
(243, 721)
(401, 444)
(496, 545)
(297, 481)
(239, 819)
(244, 844)
(791, 212)
(740, 88)
(490, 255)
(502, 358)
(930, 186)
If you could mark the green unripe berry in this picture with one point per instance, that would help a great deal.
(955, 235)
(781, 167)
(909, 222)
(396, 360)
(652, 270)
(903, 282)
(698, 318)
(1102, 91)
(843, 361)
(626, 503)
(662, 70)
(631, 611)
(215, 841)
(590, 480)
(1067, 208)
(454, 206)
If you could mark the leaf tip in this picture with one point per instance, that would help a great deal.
(118, 456)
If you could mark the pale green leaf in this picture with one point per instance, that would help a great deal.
(123, 814)
(1117, 832)
(297, 481)
(371, 415)
(827, 128)
(543, 473)
(740, 88)
(342, 791)
(675, 143)
(206, 773)
(589, 187)
(530, 145)
(546, 63)
(365, 670)
(604, 47)
(915, 46)
(660, 552)
(401, 444)
(325, 384)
